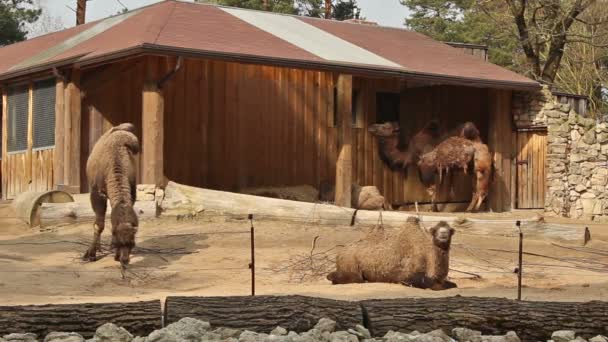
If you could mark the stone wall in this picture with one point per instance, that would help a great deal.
(577, 155)
(577, 166)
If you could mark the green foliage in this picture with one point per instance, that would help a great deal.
(14, 16)
(464, 22)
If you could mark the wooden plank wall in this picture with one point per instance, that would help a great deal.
(501, 142)
(230, 126)
(112, 95)
(30, 170)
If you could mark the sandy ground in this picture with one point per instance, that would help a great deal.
(209, 256)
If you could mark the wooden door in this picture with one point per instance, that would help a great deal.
(531, 175)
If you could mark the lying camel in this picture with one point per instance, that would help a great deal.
(410, 256)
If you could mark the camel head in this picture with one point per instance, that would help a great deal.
(127, 126)
(469, 131)
(124, 228)
(433, 128)
(442, 235)
(385, 130)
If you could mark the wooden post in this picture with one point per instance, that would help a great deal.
(327, 9)
(58, 154)
(27, 182)
(500, 144)
(152, 134)
(4, 143)
(344, 164)
(81, 11)
(72, 119)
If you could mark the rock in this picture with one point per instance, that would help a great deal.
(325, 325)
(250, 336)
(63, 337)
(279, 331)
(226, 333)
(577, 157)
(599, 338)
(21, 337)
(139, 339)
(557, 148)
(109, 332)
(159, 195)
(553, 113)
(588, 195)
(435, 336)
(363, 331)
(509, 337)
(146, 188)
(579, 339)
(145, 197)
(563, 336)
(565, 107)
(580, 188)
(589, 137)
(466, 335)
(186, 329)
(343, 336)
(602, 138)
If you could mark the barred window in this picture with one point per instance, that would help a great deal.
(44, 113)
(18, 107)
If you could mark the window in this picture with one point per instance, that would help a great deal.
(355, 109)
(387, 107)
(18, 107)
(44, 114)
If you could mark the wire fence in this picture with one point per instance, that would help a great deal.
(477, 266)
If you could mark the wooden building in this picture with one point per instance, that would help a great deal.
(228, 98)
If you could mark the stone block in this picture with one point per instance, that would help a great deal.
(589, 137)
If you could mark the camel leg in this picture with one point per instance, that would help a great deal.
(432, 191)
(99, 204)
(475, 197)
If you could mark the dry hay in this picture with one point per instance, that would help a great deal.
(301, 193)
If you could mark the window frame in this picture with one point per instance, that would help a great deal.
(9, 89)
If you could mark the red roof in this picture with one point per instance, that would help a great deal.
(214, 31)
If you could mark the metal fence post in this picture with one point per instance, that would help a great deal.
(520, 266)
(252, 264)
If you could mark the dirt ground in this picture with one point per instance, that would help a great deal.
(209, 255)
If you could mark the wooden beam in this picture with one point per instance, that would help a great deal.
(344, 167)
(72, 122)
(58, 156)
(4, 143)
(501, 145)
(152, 134)
(27, 182)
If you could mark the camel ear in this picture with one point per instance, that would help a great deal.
(452, 231)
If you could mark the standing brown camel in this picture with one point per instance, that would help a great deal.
(111, 176)
(435, 155)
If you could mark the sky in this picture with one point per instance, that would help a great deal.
(384, 12)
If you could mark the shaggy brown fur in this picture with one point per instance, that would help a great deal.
(111, 175)
(460, 152)
(409, 256)
(436, 154)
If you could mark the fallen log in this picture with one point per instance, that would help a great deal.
(27, 204)
(140, 318)
(533, 321)
(264, 313)
(53, 214)
(184, 200)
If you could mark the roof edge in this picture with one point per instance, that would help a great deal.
(361, 69)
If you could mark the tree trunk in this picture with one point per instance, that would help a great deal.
(533, 321)
(53, 214)
(140, 318)
(264, 313)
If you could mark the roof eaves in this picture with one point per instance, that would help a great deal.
(345, 67)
